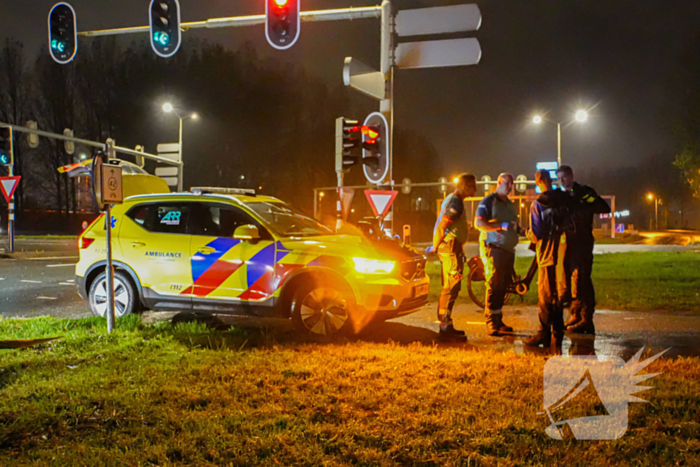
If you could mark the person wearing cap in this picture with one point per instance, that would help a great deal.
(497, 219)
(449, 237)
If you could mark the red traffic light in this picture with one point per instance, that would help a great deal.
(370, 131)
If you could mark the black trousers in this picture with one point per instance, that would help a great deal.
(550, 287)
(579, 266)
(499, 267)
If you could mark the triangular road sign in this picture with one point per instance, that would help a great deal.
(380, 201)
(8, 185)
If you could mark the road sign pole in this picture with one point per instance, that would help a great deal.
(179, 172)
(110, 268)
(11, 203)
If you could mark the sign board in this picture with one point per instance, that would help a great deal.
(166, 171)
(551, 167)
(620, 228)
(170, 151)
(380, 201)
(364, 79)
(111, 181)
(433, 54)
(8, 185)
(521, 187)
(97, 163)
(377, 175)
(438, 20)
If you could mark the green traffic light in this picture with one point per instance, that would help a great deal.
(58, 45)
(4, 159)
(161, 38)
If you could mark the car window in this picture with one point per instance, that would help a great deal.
(162, 217)
(287, 221)
(217, 220)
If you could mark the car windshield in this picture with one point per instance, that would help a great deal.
(288, 222)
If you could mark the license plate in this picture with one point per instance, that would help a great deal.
(422, 289)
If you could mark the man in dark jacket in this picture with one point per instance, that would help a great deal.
(550, 217)
(579, 255)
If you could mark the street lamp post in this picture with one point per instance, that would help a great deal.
(580, 116)
(167, 108)
(652, 196)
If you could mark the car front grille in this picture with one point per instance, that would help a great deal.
(413, 270)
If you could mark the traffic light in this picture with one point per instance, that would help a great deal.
(282, 22)
(63, 33)
(6, 153)
(375, 148)
(164, 18)
(346, 139)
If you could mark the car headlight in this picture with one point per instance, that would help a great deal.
(373, 266)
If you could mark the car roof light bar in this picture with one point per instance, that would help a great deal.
(200, 190)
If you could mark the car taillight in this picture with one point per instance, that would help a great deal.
(85, 242)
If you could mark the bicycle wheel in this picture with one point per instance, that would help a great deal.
(476, 286)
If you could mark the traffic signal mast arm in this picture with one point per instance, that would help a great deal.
(252, 20)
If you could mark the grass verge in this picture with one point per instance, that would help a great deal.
(651, 281)
(169, 394)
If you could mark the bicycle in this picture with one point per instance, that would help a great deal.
(476, 281)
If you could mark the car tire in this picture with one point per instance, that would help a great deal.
(125, 297)
(322, 308)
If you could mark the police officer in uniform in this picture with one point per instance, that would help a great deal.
(497, 219)
(579, 255)
(449, 237)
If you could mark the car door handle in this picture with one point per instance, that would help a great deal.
(206, 250)
(138, 244)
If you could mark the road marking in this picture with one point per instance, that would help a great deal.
(65, 283)
(45, 298)
(59, 265)
(2, 278)
(31, 282)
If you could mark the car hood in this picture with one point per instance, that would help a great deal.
(343, 245)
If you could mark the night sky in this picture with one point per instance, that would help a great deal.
(625, 60)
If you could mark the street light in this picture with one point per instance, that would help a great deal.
(168, 108)
(652, 196)
(580, 116)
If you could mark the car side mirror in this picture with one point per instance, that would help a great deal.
(246, 232)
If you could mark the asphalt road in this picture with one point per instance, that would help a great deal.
(37, 287)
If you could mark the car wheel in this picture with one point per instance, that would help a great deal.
(321, 309)
(125, 298)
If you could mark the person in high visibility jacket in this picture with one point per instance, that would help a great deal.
(449, 237)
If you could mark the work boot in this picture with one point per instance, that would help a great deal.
(492, 325)
(502, 327)
(452, 334)
(585, 326)
(541, 338)
(582, 327)
(574, 318)
(451, 328)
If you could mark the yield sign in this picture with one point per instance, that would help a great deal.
(380, 201)
(8, 185)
